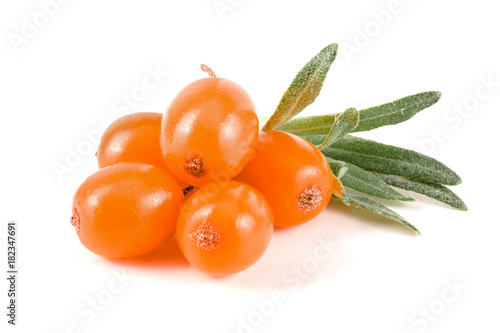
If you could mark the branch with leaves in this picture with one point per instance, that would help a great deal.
(366, 166)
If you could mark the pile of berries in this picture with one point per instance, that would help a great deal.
(201, 171)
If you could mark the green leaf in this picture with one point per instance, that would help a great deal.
(378, 208)
(385, 114)
(434, 191)
(397, 111)
(312, 125)
(304, 88)
(365, 182)
(389, 160)
(346, 123)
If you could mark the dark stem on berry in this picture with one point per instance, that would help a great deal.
(186, 190)
(208, 70)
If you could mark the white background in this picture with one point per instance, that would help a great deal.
(68, 77)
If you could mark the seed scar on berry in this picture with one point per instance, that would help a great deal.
(206, 236)
(310, 198)
(75, 220)
(195, 166)
(208, 70)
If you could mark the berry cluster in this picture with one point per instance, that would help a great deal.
(201, 171)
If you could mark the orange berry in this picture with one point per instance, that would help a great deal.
(126, 210)
(224, 228)
(209, 131)
(292, 174)
(133, 138)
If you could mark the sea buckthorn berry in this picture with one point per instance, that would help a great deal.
(293, 176)
(132, 138)
(126, 210)
(224, 228)
(209, 131)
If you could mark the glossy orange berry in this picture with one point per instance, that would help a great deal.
(209, 131)
(224, 228)
(126, 210)
(292, 174)
(132, 138)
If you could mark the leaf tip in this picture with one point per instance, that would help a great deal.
(454, 179)
(434, 96)
(412, 227)
(461, 205)
(332, 46)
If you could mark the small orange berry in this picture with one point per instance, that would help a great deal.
(126, 210)
(292, 174)
(209, 131)
(224, 228)
(132, 138)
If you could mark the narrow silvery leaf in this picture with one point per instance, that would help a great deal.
(345, 123)
(386, 114)
(305, 87)
(434, 191)
(365, 182)
(312, 125)
(395, 112)
(378, 208)
(389, 160)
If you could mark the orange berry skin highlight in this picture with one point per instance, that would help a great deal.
(126, 210)
(209, 131)
(292, 174)
(224, 228)
(132, 138)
